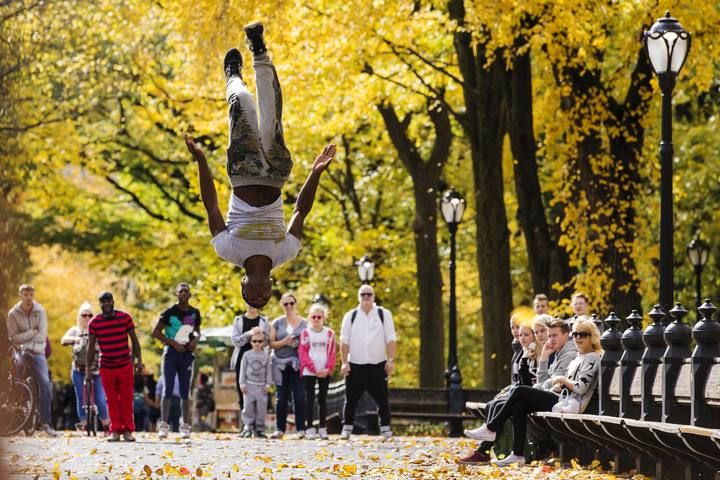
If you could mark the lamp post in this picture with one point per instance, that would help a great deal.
(697, 253)
(365, 269)
(452, 207)
(667, 44)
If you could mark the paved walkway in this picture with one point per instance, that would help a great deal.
(227, 456)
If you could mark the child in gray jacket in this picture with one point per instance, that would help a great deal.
(255, 380)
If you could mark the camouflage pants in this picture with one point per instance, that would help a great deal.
(256, 153)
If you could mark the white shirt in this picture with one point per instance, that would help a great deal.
(253, 231)
(367, 336)
(318, 349)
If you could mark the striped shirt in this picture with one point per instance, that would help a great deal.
(111, 334)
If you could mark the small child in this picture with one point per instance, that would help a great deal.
(255, 380)
(317, 353)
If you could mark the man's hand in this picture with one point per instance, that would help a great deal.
(139, 367)
(322, 162)
(243, 388)
(345, 369)
(179, 347)
(192, 345)
(193, 147)
(547, 350)
(321, 373)
(390, 366)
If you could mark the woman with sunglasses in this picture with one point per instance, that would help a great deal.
(582, 376)
(318, 353)
(284, 340)
(77, 336)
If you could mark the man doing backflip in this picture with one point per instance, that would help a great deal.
(258, 165)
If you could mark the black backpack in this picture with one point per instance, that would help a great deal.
(380, 313)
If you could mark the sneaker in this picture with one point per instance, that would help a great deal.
(277, 435)
(386, 433)
(482, 434)
(80, 426)
(232, 63)
(260, 434)
(128, 436)
(300, 434)
(48, 430)
(246, 433)
(163, 429)
(185, 430)
(511, 459)
(475, 458)
(345, 434)
(322, 433)
(114, 437)
(254, 36)
(311, 434)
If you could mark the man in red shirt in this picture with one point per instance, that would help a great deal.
(111, 329)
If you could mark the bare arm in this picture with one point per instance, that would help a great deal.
(136, 350)
(306, 197)
(344, 351)
(207, 188)
(158, 333)
(89, 356)
(390, 364)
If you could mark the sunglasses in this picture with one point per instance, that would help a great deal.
(257, 341)
(580, 334)
(87, 315)
(316, 317)
(288, 304)
(366, 294)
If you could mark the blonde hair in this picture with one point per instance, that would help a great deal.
(85, 307)
(543, 319)
(318, 307)
(590, 327)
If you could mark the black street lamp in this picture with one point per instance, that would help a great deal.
(452, 207)
(697, 253)
(667, 44)
(365, 269)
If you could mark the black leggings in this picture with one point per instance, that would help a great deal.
(323, 383)
(522, 401)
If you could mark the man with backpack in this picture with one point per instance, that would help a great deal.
(368, 358)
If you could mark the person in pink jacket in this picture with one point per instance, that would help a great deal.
(317, 352)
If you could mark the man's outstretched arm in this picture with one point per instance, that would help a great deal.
(207, 188)
(306, 198)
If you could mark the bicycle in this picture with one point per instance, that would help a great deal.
(18, 400)
(91, 410)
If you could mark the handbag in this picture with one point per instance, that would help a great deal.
(567, 403)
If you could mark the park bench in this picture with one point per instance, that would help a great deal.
(658, 402)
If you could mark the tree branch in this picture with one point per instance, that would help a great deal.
(136, 200)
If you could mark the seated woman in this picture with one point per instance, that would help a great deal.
(580, 383)
(524, 368)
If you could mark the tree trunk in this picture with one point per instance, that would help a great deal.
(482, 90)
(426, 176)
(548, 261)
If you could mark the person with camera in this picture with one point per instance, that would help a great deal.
(178, 328)
(284, 340)
(77, 337)
(542, 396)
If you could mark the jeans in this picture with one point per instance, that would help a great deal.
(78, 380)
(257, 154)
(522, 401)
(37, 367)
(291, 382)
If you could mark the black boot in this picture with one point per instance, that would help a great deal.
(232, 63)
(254, 35)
